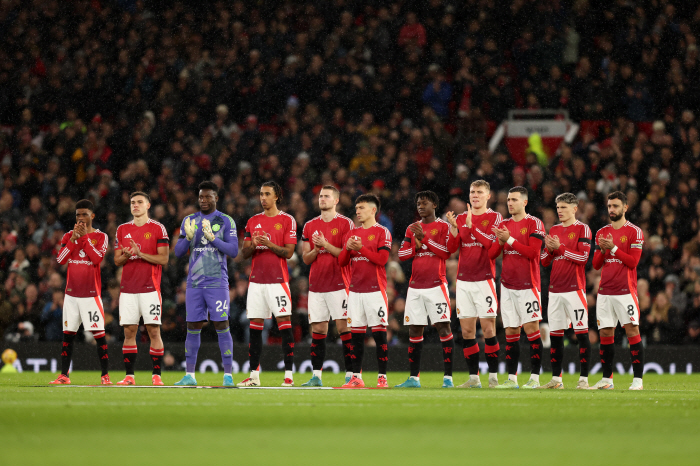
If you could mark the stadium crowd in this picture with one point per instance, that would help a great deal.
(101, 98)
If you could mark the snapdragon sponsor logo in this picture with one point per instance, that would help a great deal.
(613, 261)
(71, 261)
(511, 252)
(204, 249)
(360, 258)
(425, 254)
(475, 244)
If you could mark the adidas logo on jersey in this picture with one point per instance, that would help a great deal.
(444, 316)
(258, 226)
(94, 325)
(580, 324)
(128, 235)
(490, 311)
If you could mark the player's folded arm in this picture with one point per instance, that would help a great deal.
(530, 251)
(495, 250)
(407, 250)
(631, 260)
(482, 237)
(438, 249)
(380, 257)
(182, 246)
(92, 252)
(599, 258)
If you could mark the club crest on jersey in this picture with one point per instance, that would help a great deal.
(407, 319)
(349, 320)
(572, 235)
(523, 231)
(334, 231)
(371, 237)
(278, 226)
(216, 227)
(623, 239)
(433, 231)
(484, 223)
(65, 324)
(147, 235)
(458, 312)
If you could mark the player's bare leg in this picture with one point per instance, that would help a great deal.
(129, 351)
(448, 349)
(607, 355)
(346, 338)
(285, 326)
(415, 348)
(319, 332)
(156, 352)
(512, 357)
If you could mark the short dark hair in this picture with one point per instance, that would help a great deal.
(618, 195)
(276, 188)
(209, 185)
(519, 189)
(140, 193)
(430, 196)
(370, 199)
(567, 198)
(330, 187)
(85, 204)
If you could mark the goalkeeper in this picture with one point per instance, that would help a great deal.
(209, 236)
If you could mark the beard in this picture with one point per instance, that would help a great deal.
(615, 218)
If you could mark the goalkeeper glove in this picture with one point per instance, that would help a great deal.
(189, 228)
(206, 230)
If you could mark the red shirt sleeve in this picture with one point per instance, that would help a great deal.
(67, 247)
(408, 246)
(247, 233)
(345, 255)
(290, 237)
(96, 252)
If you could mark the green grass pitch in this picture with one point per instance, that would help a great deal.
(129, 426)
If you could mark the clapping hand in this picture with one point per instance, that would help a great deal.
(552, 242)
(606, 243)
(502, 234)
(319, 240)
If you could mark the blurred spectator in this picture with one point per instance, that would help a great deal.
(372, 98)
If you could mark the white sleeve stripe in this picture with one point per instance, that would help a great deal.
(439, 246)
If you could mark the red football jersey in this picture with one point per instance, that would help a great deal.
(429, 262)
(619, 274)
(84, 257)
(138, 275)
(326, 274)
(521, 261)
(474, 262)
(281, 229)
(366, 276)
(569, 261)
